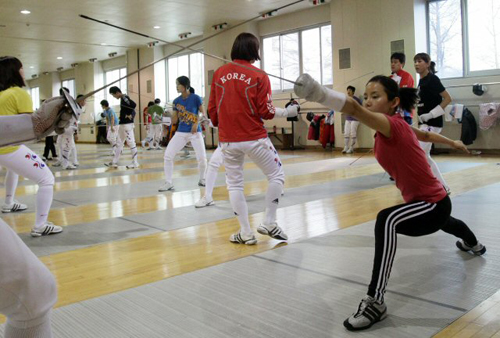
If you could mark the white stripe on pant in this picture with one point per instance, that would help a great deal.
(390, 240)
(26, 163)
(27, 288)
(263, 154)
(178, 142)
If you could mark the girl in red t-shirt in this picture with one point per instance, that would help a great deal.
(427, 208)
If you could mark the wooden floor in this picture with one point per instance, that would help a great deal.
(106, 268)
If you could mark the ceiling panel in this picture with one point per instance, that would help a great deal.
(54, 28)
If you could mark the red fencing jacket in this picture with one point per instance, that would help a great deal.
(240, 98)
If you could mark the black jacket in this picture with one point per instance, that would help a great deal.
(469, 127)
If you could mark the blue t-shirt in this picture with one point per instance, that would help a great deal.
(187, 112)
(111, 116)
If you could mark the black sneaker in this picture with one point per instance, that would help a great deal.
(477, 249)
(369, 312)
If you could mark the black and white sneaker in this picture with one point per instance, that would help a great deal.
(273, 231)
(238, 238)
(477, 249)
(14, 207)
(111, 165)
(369, 312)
(47, 229)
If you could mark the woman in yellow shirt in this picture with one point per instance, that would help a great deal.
(20, 160)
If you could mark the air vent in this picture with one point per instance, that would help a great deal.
(345, 58)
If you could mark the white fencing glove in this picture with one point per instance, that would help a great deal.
(435, 112)
(308, 88)
(292, 109)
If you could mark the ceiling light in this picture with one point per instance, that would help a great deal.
(156, 27)
(59, 57)
(32, 67)
(25, 11)
(103, 44)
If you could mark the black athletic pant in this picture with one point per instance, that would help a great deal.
(410, 219)
(49, 146)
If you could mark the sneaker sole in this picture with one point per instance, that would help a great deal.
(266, 232)
(36, 234)
(478, 253)
(9, 211)
(205, 205)
(249, 242)
(349, 327)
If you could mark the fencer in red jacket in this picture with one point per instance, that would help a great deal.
(240, 99)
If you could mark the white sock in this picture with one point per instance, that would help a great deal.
(11, 179)
(210, 182)
(43, 203)
(42, 330)
(353, 142)
(272, 200)
(240, 207)
(134, 154)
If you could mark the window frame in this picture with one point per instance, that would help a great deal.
(301, 65)
(36, 103)
(124, 91)
(467, 73)
(74, 86)
(201, 92)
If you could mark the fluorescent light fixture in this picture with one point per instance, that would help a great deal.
(32, 67)
(25, 11)
(59, 57)
(103, 44)
(156, 27)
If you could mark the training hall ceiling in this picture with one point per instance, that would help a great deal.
(54, 29)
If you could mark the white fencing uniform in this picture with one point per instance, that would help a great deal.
(426, 146)
(178, 142)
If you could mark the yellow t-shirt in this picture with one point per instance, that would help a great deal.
(13, 101)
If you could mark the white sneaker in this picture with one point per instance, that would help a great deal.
(149, 148)
(237, 238)
(166, 187)
(47, 229)
(111, 165)
(57, 164)
(368, 313)
(477, 249)
(158, 148)
(201, 183)
(133, 165)
(76, 164)
(349, 151)
(143, 143)
(70, 167)
(346, 148)
(203, 202)
(273, 231)
(14, 207)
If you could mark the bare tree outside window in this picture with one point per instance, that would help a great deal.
(484, 34)
(445, 30)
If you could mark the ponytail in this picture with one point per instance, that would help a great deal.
(408, 98)
(432, 68)
(191, 90)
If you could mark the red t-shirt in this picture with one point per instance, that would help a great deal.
(240, 98)
(147, 117)
(404, 79)
(403, 159)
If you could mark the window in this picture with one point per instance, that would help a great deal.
(70, 84)
(111, 76)
(306, 51)
(160, 81)
(190, 65)
(35, 97)
(464, 37)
